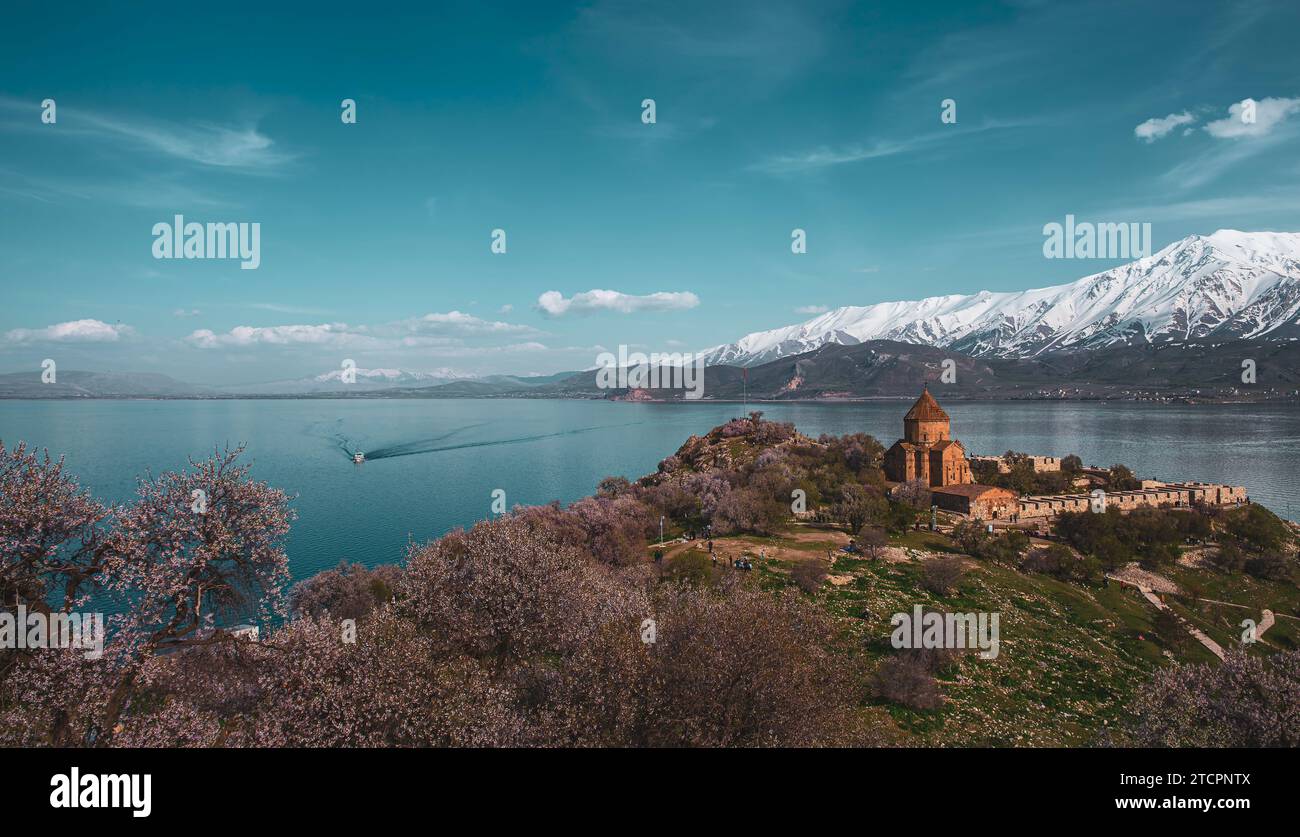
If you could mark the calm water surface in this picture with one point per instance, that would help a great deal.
(434, 464)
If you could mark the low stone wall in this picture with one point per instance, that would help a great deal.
(1178, 495)
(1041, 464)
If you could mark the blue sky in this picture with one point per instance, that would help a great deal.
(526, 117)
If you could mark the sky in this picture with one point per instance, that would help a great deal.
(376, 237)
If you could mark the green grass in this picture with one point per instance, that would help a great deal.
(1071, 655)
(1069, 660)
(1221, 622)
(925, 541)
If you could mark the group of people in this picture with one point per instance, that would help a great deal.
(743, 562)
(740, 563)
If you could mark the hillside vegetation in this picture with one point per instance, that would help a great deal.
(765, 619)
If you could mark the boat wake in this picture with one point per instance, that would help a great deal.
(435, 444)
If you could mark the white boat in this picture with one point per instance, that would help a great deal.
(358, 457)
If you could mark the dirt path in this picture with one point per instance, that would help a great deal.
(1149, 594)
(728, 548)
(1265, 623)
(1138, 577)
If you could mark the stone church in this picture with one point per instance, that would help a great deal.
(926, 451)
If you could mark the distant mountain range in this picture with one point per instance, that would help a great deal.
(873, 369)
(369, 382)
(1180, 323)
(890, 369)
(73, 384)
(1229, 285)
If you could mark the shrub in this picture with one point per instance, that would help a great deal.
(809, 575)
(872, 540)
(1271, 566)
(1151, 536)
(899, 517)
(1171, 631)
(689, 567)
(1255, 527)
(1120, 478)
(915, 493)
(349, 591)
(1007, 547)
(1059, 561)
(858, 504)
(1245, 701)
(942, 575)
(905, 679)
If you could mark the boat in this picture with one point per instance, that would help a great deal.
(358, 457)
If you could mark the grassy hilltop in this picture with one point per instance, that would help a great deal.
(1073, 652)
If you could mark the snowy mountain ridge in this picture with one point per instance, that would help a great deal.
(1227, 285)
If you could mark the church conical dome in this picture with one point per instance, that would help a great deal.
(926, 409)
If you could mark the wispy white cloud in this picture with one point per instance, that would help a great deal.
(236, 147)
(554, 304)
(694, 59)
(459, 323)
(148, 191)
(826, 156)
(285, 309)
(1153, 129)
(1227, 211)
(73, 331)
(1250, 128)
(244, 147)
(1268, 115)
(812, 309)
(186, 312)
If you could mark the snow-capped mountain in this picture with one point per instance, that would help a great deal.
(394, 377)
(1223, 286)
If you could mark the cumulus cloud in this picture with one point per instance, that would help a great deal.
(553, 303)
(431, 330)
(73, 331)
(456, 322)
(812, 309)
(1153, 129)
(1269, 113)
(325, 334)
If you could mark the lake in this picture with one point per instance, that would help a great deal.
(433, 464)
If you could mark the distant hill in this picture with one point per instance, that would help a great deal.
(871, 369)
(889, 369)
(71, 383)
(332, 382)
(396, 383)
